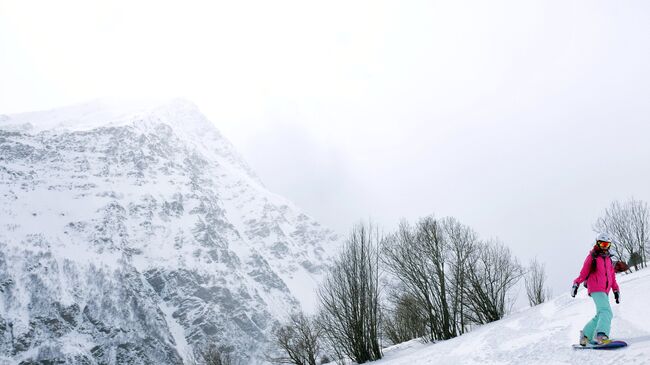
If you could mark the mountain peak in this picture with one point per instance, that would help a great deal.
(145, 115)
(94, 114)
(141, 220)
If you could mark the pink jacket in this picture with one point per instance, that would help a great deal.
(602, 279)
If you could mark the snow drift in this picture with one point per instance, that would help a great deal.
(544, 334)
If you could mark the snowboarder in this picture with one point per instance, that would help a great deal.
(598, 272)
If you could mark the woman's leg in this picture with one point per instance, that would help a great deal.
(602, 320)
(590, 327)
(603, 312)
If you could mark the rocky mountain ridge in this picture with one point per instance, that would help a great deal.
(134, 236)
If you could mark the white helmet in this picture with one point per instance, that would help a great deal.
(604, 237)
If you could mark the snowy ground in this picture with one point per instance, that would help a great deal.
(544, 334)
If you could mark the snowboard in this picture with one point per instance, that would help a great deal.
(610, 346)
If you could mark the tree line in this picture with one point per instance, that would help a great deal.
(433, 279)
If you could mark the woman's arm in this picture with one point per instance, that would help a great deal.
(586, 268)
(614, 283)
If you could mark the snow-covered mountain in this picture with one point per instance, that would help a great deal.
(544, 334)
(130, 234)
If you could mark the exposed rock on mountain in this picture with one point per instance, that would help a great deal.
(131, 235)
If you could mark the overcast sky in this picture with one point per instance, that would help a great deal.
(523, 119)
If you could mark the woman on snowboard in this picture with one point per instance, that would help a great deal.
(598, 271)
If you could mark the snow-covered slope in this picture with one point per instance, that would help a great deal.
(544, 334)
(131, 233)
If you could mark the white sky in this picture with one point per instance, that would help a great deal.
(523, 119)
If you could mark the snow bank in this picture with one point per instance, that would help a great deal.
(544, 334)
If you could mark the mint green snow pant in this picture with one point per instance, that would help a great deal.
(602, 322)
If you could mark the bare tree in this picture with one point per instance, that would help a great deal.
(462, 247)
(405, 257)
(494, 273)
(629, 224)
(298, 340)
(349, 298)
(430, 260)
(535, 281)
(212, 355)
(431, 238)
(404, 319)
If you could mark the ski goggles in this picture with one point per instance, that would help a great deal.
(604, 244)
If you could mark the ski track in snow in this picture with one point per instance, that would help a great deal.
(544, 334)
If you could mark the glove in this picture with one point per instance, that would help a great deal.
(574, 290)
(617, 295)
